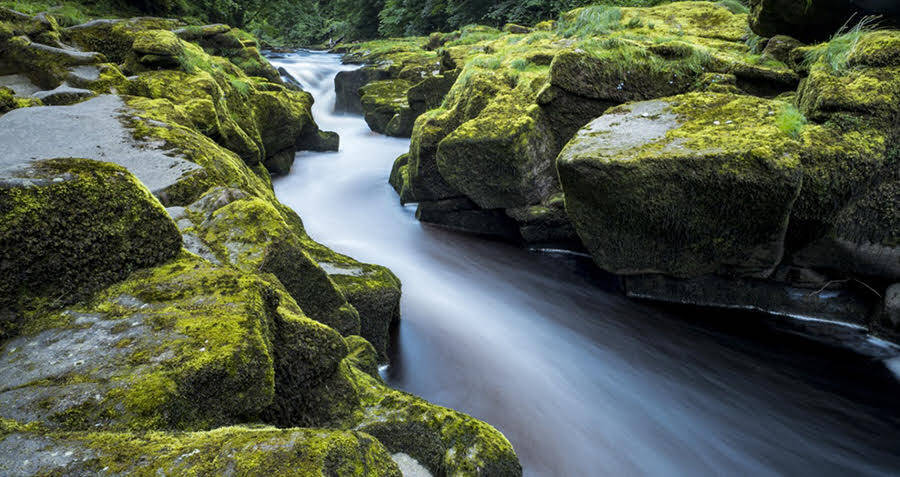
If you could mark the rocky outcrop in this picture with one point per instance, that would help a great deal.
(50, 255)
(241, 450)
(396, 85)
(489, 147)
(141, 339)
(705, 165)
(815, 232)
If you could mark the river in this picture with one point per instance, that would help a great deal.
(583, 381)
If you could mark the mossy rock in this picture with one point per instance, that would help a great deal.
(374, 291)
(685, 186)
(282, 118)
(864, 239)
(399, 179)
(157, 42)
(503, 158)
(466, 99)
(694, 18)
(620, 75)
(227, 450)
(46, 66)
(72, 226)
(250, 234)
(841, 160)
(382, 101)
(186, 345)
(444, 441)
(348, 83)
(868, 87)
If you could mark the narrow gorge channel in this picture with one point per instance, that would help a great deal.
(580, 379)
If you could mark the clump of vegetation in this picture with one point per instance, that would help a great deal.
(519, 64)
(835, 54)
(590, 21)
(791, 121)
(486, 62)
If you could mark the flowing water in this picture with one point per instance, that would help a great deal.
(581, 380)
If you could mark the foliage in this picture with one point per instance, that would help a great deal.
(590, 21)
(836, 52)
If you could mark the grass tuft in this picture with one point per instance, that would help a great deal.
(519, 64)
(791, 121)
(590, 21)
(836, 53)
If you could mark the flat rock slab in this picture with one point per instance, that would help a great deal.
(20, 84)
(89, 130)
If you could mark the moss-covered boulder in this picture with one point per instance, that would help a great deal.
(71, 226)
(250, 234)
(444, 441)
(160, 46)
(185, 345)
(237, 450)
(684, 186)
(386, 107)
(399, 179)
(846, 216)
(348, 83)
(45, 65)
(859, 77)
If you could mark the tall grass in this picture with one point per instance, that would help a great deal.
(836, 53)
(594, 20)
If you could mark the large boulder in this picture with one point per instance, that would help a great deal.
(348, 83)
(386, 108)
(250, 234)
(684, 186)
(185, 345)
(70, 227)
(846, 218)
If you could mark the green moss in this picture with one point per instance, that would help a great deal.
(728, 146)
(157, 42)
(238, 450)
(82, 225)
(251, 235)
